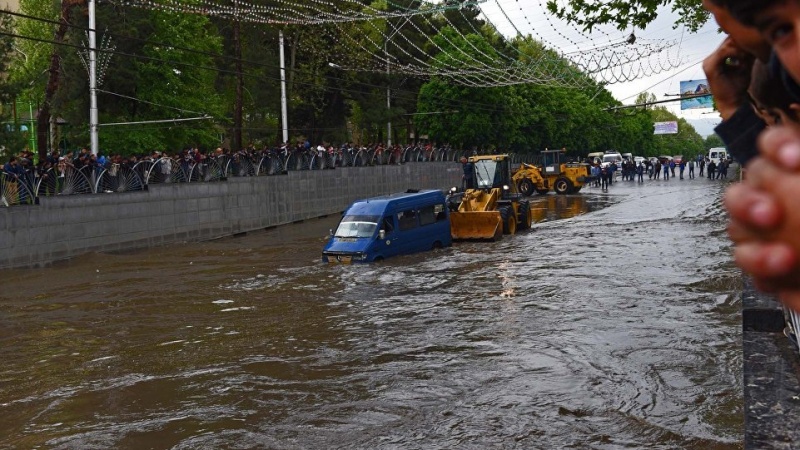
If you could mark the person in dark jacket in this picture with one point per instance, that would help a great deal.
(468, 179)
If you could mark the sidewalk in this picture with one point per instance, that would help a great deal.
(771, 375)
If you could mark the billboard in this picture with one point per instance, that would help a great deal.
(696, 87)
(666, 128)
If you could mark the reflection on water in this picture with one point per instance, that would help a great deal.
(554, 207)
(617, 327)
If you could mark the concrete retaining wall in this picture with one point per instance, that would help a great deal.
(63, 227)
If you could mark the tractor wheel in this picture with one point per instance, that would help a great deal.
(563, 186)
(543, 191)
(509, 221)
(526, 187)
(524, 215)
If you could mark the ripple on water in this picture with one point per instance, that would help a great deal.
(611, 325)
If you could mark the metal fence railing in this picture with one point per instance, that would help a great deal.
(64, 178)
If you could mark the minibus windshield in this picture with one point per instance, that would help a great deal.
(357, 226)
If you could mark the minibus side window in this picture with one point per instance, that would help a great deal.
(440, 212)
(388, 224)
(407, 220)
(427, 215)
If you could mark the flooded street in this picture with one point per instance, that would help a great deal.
(613, 324)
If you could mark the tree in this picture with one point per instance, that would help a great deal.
(628, 14)
(10, 136)
(686, 142)
(713, 141)
(171, 76)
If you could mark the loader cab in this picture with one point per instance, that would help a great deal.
(491, 171)
(551, 161)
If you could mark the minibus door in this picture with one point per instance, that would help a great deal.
(390, 244)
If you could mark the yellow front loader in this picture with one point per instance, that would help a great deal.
(563, 178)
(491, 207)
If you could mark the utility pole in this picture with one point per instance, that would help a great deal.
(388, 97)
(93, 116)
(237, 107)
(284, 114)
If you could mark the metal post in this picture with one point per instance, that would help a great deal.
(32, 125)
(284, 114)
(388, 98)
(93, 118)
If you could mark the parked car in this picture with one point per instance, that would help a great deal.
(678, 159)
(639, 160)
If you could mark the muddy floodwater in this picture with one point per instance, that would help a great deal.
(614, 324)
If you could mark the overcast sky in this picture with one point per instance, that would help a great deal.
(529, 17)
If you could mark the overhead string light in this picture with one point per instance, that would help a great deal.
(598, 60)
(474, 72)
(610, 63)
(309, 12)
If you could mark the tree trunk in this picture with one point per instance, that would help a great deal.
(43, 121)
(292, 57)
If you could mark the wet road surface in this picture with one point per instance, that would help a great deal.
(613, 324)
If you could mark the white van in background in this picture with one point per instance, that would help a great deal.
(595, 158)
(612, 156)
(717, 154)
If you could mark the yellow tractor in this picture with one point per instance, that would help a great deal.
(564, 178)
(491, 206)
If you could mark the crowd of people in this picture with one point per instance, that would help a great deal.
(23, 174)
(604, 175)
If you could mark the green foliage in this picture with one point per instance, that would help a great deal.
(165, 83)
(628, 14)
(330, 103)
(687, 142)
(524, 118)
(12, 139)
(713, 141)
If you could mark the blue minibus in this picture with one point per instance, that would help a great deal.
(397, 224)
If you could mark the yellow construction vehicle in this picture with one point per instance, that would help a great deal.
(564, 178)
(490, 206)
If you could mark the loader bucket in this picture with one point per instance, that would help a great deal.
(476, 225)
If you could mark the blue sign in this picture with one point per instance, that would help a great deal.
(696, 87)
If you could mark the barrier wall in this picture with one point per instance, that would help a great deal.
(63, 227)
